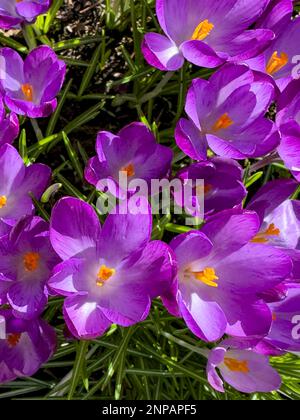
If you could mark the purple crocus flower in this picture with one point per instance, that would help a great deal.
(30, 87)
(26, 262)
(288, 120)
(205, 33)
(227, 114)
(15, 12)
(9, 126)
(108, 275)
(285, 331)
(279, 226)
(279, 216)
(223, 186)
(220, 275)
(243, 369)
(25, 346)
(16, 182)
(280, 60)
(134, 153)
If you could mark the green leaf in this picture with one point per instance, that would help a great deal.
(254, 178)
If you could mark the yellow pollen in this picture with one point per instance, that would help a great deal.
(222, 123)
(207, 276)
(27, 90)
(203, 30)
(276, 62)
(263, 237)
(31, 261)
(3, 201)
(13, 339)
(129, 170)
(104, 274)
(274, 317)
(236, 365)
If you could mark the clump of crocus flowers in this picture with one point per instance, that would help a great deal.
(237, 275)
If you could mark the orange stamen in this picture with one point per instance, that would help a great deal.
(237, 365)
(276, 62)
(222, 123)
(27, 90)
(207, 276)
(31, 261)
(13, 339)
(129, 170)
(3, 201)
(202, 30)
(104, 274)
(205, 189)
(264, 237)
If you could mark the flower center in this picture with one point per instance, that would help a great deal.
(207, 276)
(104, 274)
(3, 201)
(222, 123)
(13, 339)
(203, 30)
(276, 62)
(203, 189)
(27, 90)
(31, 261)
(236, 365)
(264, 237)
(129, 170)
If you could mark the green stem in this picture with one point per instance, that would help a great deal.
(203, 352)
(37, 130)
(170, 227)
(182, 91)
(78, 366)
(29, 37)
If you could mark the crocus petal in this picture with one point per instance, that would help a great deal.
(246, 317)
(260, 378)
(157, 261)
(45, 73)
(37, 178)
(124, 233)
(271, 196)
(71, 239)
(29, 109)
(216, 357)
(289, 148)
(230, 230)
(12, 169)
(190, 140)
(248, 44)
(201, 54)
(190, 246)
(199, 100)
(160, 52)
(12, 75)
(9, 129)
(29, 10)
(67, 278)
(196, 311)
(127, 307)
(27, 299)
(281, 334)
(254, 261)
(276, 16)
(84, 318)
